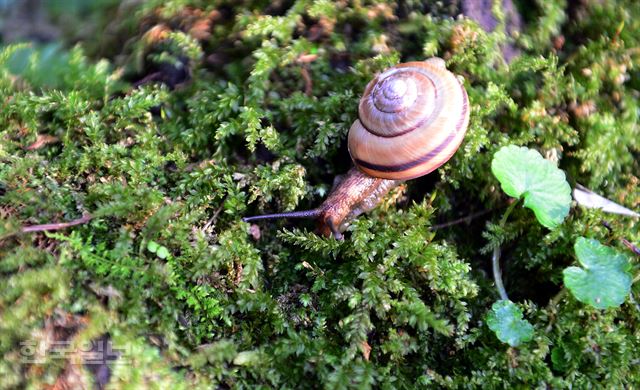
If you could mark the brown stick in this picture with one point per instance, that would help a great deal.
(467, 219)
(308, 83)
(631, 247)
(57, 226)
(42, 140)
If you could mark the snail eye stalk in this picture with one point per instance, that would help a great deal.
(293, 214)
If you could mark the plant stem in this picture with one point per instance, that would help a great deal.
(495, 258)
(497, 274)
(512, 206)
(553, 307)
(556, 299)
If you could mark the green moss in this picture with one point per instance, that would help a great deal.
(397, 304)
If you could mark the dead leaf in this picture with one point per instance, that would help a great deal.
(306, 58)
(589, 199)
(366, 349)
(308, 82)
(42, 140)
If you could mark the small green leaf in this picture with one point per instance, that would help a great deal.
(163, 252)
(505, 319)
(604, 280)
(305, 300)
(523, 172)
(152, 246)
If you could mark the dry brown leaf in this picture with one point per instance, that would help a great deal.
(42, 140)
(366, 349)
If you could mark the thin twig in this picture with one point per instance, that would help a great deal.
(308, 82)
(553, 307)
(214, 217)
(155, 76)
(86, 217)
(466, 219)
(631, 246)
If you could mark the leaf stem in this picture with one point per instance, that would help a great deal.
(495, 257)
(512, 206)
(497, 274)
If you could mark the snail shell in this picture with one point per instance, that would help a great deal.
(411, 120)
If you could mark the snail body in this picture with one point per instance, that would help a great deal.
(411, 120)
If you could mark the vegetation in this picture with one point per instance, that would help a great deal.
(152, 141)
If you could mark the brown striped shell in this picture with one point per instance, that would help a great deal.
(411, 120)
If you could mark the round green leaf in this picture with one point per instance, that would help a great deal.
(523, 172)
(163, 252)
(505, 319)
(604, 280)
(152, 246)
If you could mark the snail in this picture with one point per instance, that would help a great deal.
(411, 119)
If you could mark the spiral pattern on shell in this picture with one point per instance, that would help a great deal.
(411, 120)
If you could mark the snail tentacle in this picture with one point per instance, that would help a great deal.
(314, 213)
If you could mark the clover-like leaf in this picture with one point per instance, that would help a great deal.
(505, 320)
(604, 280)
(152, 246)
(163, 252)
(160, 251)
(523, 172)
